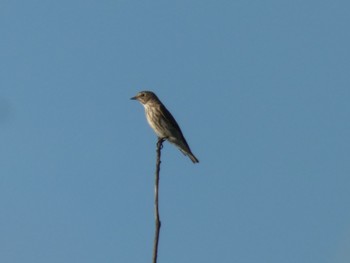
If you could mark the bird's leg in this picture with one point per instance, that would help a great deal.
(160, 142)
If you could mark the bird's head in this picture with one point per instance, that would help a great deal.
(145, 96)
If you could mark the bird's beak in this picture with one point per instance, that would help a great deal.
(134, 98)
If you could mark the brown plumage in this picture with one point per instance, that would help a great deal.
(163, 123)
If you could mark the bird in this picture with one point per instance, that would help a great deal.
(163, 123)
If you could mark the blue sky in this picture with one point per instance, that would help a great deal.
(260, 89)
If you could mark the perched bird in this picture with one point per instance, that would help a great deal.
(163, 123)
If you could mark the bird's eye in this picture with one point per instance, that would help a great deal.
(142, 94)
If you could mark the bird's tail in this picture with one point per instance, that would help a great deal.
(184, 148)
(190, 155)
(193, 158)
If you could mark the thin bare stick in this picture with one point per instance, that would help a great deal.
(156, 201)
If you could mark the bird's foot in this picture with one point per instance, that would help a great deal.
(160, 142)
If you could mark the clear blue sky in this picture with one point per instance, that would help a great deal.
(261, 90)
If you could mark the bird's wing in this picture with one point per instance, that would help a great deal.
(167, 115)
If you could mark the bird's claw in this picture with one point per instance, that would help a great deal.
(160, 142)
